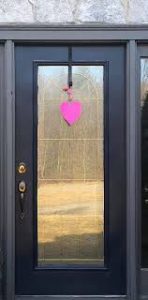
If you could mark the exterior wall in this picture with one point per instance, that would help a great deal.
(74, 11)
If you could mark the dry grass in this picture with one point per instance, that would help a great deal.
(70, 221)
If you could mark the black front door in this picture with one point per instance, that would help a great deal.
(70, 170)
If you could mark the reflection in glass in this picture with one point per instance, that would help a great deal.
(70, 169)
(144, 159)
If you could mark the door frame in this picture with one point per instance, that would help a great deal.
(130, 36)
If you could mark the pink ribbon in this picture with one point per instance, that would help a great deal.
(69, 92)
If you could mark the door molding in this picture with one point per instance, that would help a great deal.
(70, 33)
(9, 171)
(132, 176)
(1, 165)
(85, 34)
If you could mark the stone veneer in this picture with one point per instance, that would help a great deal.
(74, 11)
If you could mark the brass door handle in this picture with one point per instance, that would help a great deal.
(22, 189)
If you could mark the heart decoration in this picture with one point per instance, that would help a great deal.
(71, 111)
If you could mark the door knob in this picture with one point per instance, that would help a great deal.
(22, 190)
(22, 186)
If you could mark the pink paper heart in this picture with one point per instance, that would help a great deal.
(71, 111)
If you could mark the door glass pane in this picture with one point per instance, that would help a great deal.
(144, 159)
(70, 189)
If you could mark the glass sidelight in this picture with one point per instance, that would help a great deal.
(144, 158)
(70, 159)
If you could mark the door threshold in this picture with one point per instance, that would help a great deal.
(70, 297)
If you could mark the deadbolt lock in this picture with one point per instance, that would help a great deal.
(22, 187)
(22, 168)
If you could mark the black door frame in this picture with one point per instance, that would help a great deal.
(130, 36)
